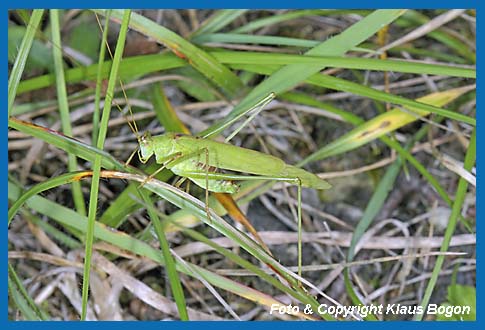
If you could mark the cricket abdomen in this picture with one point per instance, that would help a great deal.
(218, 186)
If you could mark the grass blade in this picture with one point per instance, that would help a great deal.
(170, 266)
(19, 64)
(358, 89)
(99, 79)
(200, 60)
(275, 19)
(68, 217)
(93, 199)
(22, 299)
(64, 107)
(290, 75)
(454, 216)
(218, 20)
(387, 122)
(232, 57)
(78, 148)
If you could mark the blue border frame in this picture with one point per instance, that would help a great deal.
(253, 4)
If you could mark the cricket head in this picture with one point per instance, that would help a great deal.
(146, 147)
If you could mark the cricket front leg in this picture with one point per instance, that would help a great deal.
(170, 159)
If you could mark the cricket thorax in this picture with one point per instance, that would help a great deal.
(161, 146)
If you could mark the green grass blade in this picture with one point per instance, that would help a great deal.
(200, 60)
(235, 57)
(145, 64)
(373, 207)
(218, 20)
(119, 210)
(64, 107)
(21, 59)
(428, 53)
(70, 145)
(378, 126)
(454, 216)
(421, 169)
(67, 217)
(236, 38)
(99, 79)
(22, 299)
(290, 75)
(338, 114)
(93, 199)
(256, 270)
(375, 204)
(131, 67)
(43, 186)
(275, 19)
(170, 266)
(355, 88)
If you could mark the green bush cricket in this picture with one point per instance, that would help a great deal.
(197, 159)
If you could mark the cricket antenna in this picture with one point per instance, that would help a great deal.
(132, 123)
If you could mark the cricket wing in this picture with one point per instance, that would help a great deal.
(229, 157)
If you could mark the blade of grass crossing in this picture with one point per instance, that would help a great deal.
(371, 211)
(66, 143)
(237, 57)
(282, 17)
(385, 123)
(93, 201)
(455, 214)
(22, 299)
(21, 59)
(218, 20)
(132, 67)
(64, 106)
(99, 77)
(373, 207)
(203, 62)
(45, 185)
(290, 75)
(173, 276)
(67, 217)
(354, 88)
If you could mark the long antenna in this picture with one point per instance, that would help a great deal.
(132, 123)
